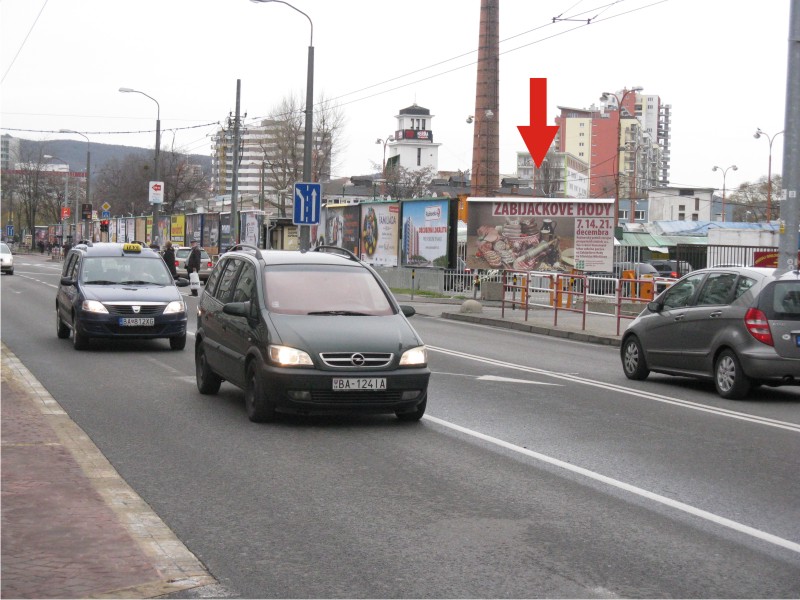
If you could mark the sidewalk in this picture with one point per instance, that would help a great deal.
(71, 527)
(599, 329)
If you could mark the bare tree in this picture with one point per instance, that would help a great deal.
(750, 199)
(281, 147)
(124, 183)
(546, 179)
(402, 183)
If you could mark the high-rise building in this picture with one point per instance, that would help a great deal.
(10, 152)
(270, 161)
(561, 175)
(626, 147)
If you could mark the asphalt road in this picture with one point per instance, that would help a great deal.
(538, 471)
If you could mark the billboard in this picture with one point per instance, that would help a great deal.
(425, 233)
(342, 226)
(380, 233)
(542, 234)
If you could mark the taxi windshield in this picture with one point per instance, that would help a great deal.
(124, 270)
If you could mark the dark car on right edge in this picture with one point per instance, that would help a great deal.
(738, 326)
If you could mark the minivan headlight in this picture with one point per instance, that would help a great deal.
(289, 357)
(93, 306)
(174, 307)
(415, 357)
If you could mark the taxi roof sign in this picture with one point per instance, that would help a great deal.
(131, 247)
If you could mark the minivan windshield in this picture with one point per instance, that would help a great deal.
(324, 290)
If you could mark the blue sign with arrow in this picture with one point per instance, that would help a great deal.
(307, 203)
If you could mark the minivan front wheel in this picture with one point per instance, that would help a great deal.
(729, 378)
(260, 408)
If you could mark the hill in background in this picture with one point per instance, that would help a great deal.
(74, 153)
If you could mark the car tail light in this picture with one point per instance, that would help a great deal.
(209, 265)
(675, 275)
(177, 264)
(756, 322)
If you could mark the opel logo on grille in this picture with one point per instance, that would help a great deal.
(357, 359)
(136, 309)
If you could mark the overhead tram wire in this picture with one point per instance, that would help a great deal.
(594, 20)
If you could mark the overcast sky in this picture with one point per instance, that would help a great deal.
(721, 64)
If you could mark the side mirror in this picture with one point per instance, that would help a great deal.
(68, 281)
(181, 282)
(655, 306)
(237, 309)
(408, 311)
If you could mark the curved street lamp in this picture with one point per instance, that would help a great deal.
(384, 142)
(88, 176)
(305, 233)
(757, 135)
(724, 175)
(126, 90)
(604, 97)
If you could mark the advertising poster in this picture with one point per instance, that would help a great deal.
(176, 229)
(425, 231)
(543, 234)
(248, 233)
(380, 233)
(343, 226)
(317, 235)
(142, 228)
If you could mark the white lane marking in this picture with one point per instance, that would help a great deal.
(697, 512)
(724, 412)
(512, 380)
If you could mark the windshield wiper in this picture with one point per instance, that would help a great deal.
(100, 282)
(347, 313)
(136, 282)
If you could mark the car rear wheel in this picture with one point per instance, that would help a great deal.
(178, 343)
(729, 378)
(260, 408)
(633, 362)
(79, 340)
(416, 414)
(62, 331)
(208, 382)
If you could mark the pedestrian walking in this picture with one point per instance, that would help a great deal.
(169, 258)
(193, 267)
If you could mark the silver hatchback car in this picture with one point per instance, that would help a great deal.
(739, 326)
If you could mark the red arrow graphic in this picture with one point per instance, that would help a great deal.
(538, 136)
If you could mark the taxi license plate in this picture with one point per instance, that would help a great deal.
(359, 383)
(137, 321)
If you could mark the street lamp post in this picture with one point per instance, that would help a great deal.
(304, 229)
(154, 233)
(383, 169)
(604, 97)
(724, 175)
(76, 217)
(757, 135)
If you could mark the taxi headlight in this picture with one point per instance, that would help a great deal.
(416, 357)
(288, 357)
(93, 306)
(174, 307)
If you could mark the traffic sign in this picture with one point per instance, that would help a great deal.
(106, 214)
(156, 192)
(105, 206)
(9, 231)
(307, 203)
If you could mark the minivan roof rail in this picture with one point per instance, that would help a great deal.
(247, 247)
(336, 250)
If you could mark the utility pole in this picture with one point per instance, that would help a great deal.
(790, 207)
(235, 190)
